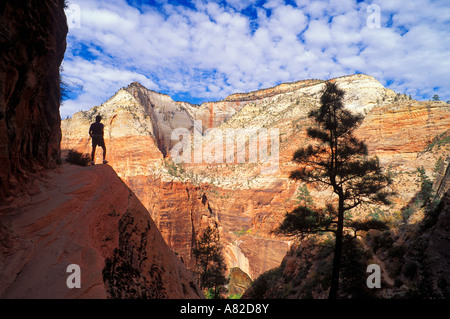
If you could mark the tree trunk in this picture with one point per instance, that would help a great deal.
(337, 252)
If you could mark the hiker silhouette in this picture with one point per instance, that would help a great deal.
(96, 133)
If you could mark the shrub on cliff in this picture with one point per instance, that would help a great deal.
(209, 264)
(78, 158)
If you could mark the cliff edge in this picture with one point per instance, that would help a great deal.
(86, 216)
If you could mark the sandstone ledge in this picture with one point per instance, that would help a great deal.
(86, 216)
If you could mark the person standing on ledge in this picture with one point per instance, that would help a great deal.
(96, 133)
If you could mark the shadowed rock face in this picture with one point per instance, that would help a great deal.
(89, 217)
(32, 45)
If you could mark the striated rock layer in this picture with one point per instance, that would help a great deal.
(393, 129)
(32, 41)
(89, 217)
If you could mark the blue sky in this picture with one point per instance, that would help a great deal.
(197, 51)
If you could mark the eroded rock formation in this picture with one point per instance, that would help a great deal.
(32, 44)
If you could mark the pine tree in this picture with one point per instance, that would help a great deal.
(339, 161)
(210, 266)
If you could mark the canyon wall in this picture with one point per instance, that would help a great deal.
(55, 215)
(245, 202)
(32, 44)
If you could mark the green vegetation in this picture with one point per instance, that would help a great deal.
(376, 213)
(438, 165)
(304, 196)
(78, 158)
(426, 193)
(265, 282)
(209, 264)
(174, 169)
(242, 232)
(425, 198)
(407, 212)
(439, 141)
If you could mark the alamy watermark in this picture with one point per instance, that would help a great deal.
(374, 279)
(227, 146)
(374, 19)
(73, 280)
(73, 15)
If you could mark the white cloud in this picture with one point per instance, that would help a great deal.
(98, 82)
(318, 33)
(273, 4)
(211, 51)
(240, 4)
